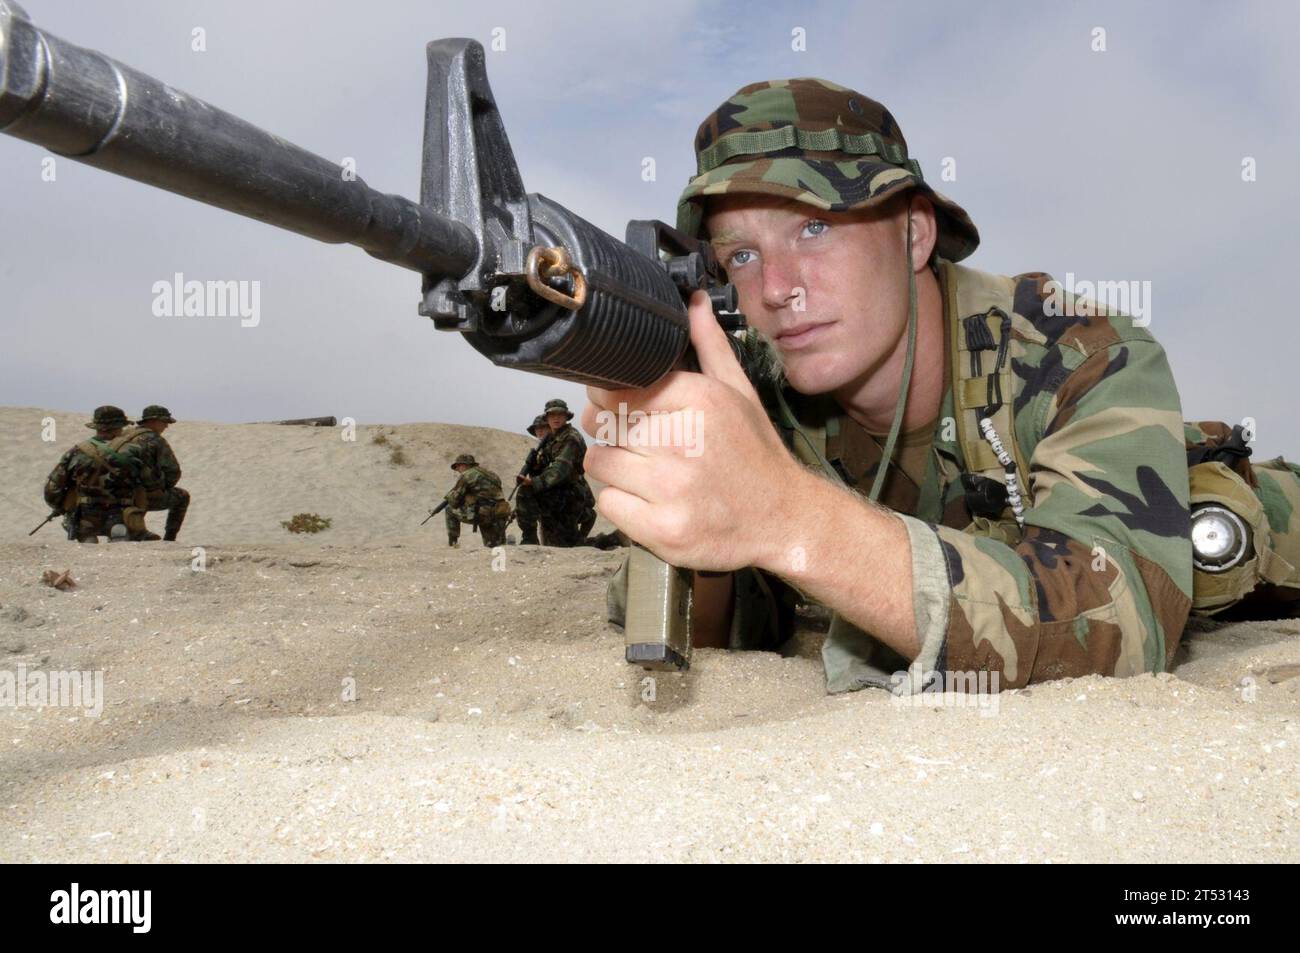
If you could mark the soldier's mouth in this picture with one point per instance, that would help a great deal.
(801, 335)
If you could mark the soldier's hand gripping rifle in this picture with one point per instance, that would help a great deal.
(530, 462)
(434, 512)
(527, 282)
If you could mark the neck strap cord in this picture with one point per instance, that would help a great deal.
(908, 361)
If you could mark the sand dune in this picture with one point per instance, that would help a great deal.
(368, 694)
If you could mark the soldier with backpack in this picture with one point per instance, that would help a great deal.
(96, 486)
(476, 499)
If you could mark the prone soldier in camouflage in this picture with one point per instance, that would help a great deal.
(527, 510)
(1034, 517)
(159, 470)
(559, 495)
(96, 486)
(476, 499)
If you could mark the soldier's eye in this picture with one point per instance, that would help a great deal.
(815, 227)
(740, 257)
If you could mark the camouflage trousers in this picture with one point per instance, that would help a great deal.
(566, 514)
(96, 521)
(176, 502)
(487, 517)
(527, 514)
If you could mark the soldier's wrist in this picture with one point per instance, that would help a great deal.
(784, 538)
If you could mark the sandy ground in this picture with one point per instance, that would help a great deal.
(368, 694)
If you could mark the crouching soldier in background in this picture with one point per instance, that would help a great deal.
(476, 499)
(158, 468)
(96, 486)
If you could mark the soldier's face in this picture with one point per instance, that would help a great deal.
(556, 419)
(829, 288)
(540, 432)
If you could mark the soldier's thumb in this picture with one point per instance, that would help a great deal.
(712, 348)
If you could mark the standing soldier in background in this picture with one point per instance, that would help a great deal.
(527, 509)
(565, 501)
(476, 499)
(158, 468)
(96, 486)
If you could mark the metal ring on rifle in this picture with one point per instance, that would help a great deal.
(554, 263)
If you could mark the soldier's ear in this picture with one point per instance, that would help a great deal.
(925, 230)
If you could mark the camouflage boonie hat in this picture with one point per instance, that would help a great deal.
(465, 458)
(156, 412)
(816, 142)
(560, 405)
(108, 417)
(538, 421)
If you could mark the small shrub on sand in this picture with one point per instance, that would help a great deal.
(306, 523)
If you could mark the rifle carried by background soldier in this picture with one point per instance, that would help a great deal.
(530, 465)
(525, 281)
(55, 514)
(434, 512)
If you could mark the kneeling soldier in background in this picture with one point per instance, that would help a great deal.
(97, 487)
(158, 468)
(527, 509)
(476, 499)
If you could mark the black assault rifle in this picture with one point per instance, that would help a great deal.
(525, 281)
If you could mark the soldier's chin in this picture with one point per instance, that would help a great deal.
(811, 373)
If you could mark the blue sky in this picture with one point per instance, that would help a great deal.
(1116, 165)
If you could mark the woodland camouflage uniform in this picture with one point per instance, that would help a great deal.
(96, 486)
(1095, 573)
(476, 499)
(527, 510)
(563, 498)
(160, 472)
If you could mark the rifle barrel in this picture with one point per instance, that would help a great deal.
(83, 105)
(43, 523)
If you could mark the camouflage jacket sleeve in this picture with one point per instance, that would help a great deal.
(564, 465)
(534, 463)
(166, 464)
(457, 493)
(153, 457)
(1101, 580)
(58, 482)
